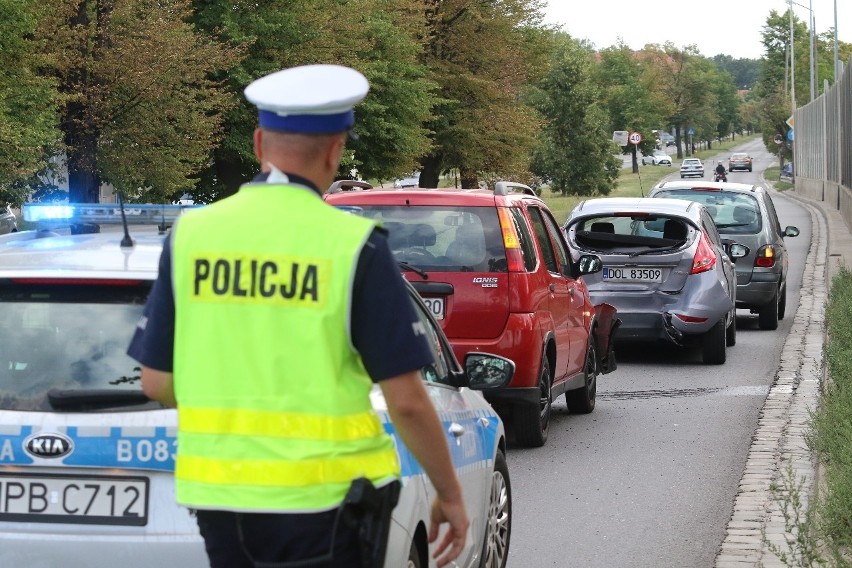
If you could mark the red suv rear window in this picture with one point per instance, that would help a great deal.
(443, 238)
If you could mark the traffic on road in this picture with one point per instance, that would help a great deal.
(570, 371)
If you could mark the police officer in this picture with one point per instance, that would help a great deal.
(272, 316)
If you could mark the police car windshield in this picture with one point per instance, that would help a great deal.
(62, 339)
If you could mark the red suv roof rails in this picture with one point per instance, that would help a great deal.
(506, 187)
(348, 185)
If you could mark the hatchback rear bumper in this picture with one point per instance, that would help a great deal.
(759, 292)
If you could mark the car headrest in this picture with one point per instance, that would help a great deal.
(602, 227)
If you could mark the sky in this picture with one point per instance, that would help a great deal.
(730, 27)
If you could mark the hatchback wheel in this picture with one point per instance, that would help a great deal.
(768, 316)
(731, 335)
(498, 523)
(533, 421)
(582, 400)
(713, 344)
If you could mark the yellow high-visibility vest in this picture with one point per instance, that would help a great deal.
(273, 400)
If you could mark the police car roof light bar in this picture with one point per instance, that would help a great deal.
(104, 214)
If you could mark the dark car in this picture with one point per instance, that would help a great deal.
(494, 269)
(745, 212)
(666, 270)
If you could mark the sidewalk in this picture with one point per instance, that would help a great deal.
(778, 447)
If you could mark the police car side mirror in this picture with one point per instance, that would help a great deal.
(486, 371)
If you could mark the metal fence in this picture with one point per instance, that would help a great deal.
(822, 146)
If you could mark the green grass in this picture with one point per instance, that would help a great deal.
(831, 435)
(773, 174)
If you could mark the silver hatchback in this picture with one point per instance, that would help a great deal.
(745, 212)
(666, 270)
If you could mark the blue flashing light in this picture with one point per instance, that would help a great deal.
(354, 209)
(104, 214)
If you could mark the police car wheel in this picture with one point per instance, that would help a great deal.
(414, 556)
(498, 524)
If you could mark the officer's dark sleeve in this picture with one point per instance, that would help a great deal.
(153, 341)
(383, 317)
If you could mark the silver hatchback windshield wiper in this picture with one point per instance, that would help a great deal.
(655, 251)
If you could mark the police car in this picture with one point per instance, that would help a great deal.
(86, 460)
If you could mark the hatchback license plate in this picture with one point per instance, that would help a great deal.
(84, 499)
(633, 274)
(435, 306)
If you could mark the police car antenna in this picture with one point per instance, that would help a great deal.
(126, 241)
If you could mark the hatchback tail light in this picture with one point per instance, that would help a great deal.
(511, 241)
(765, 257)
(705, 256)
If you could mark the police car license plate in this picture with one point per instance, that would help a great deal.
(633, 274)
(435, 306)
(84, 499)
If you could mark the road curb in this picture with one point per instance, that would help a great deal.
(758, 528)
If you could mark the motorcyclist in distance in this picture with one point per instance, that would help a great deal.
(720, 173)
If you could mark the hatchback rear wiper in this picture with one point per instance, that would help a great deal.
(655, 251)
(729, 225)
(91, 399)
(420, 272)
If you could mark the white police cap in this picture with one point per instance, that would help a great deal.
(311, 99)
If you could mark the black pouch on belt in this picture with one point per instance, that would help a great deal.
(368, 511)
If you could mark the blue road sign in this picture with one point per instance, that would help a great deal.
(691, 131)
(790, 135)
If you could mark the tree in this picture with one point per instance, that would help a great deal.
(481, 54)
(629, 96)
(379, 38)
(684, 79)
(140, 110)
(574, 147)
(745, 72)
(28, 107)
(727, 103)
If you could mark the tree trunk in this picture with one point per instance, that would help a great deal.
(430, 172)
(468, 179)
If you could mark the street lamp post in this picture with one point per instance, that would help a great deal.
(810, 42)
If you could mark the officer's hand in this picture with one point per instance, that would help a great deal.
(451, 512)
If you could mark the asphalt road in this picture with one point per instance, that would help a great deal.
(649, 478)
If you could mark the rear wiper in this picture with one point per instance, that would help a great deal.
(77, 399)
(655, 251)
(729, 225)
(404, 265)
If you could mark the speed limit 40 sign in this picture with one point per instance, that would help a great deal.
(634, 138)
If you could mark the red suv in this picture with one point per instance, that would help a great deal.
(494, 269)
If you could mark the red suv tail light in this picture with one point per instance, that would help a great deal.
(705, 256)
(511, 242)
(765, 257)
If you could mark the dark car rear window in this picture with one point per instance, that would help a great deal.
(733, 212)
(443, 238)
(67, 339)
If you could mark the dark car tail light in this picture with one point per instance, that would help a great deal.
(705, 257)
(765, 257)
(511, 241)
